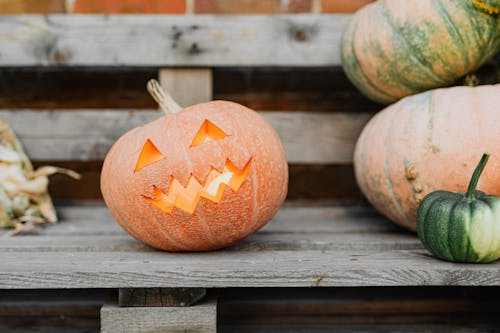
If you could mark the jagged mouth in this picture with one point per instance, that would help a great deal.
(187, 197)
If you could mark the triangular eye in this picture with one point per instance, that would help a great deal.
(149, 155)
(208, 132)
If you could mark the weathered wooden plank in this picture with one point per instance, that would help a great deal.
(357, 306)
(284, 309)
(201, 318)
(293, 229)
(303, 247)
(143, 40)
(28, 328)
(153, 297)
(268, 88)
(308, 137)
(187, 86)
(221, 269)
(96, 220)
(261, 241)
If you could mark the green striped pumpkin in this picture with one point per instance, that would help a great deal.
(461, 227)
(394, 48)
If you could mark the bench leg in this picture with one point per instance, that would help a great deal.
(160, 310)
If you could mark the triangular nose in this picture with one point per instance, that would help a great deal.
(149, 155)
(207, 132)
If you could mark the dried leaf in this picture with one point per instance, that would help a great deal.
(24, 198)
(20, 204)
(32, 219)
(20, 228)
(37, 185)
(47, 208)
(50, 170)
(8, 155)
(6, 213)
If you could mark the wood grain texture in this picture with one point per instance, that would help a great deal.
(429, 328)
(263, 308)
(357, 306)
(187, 86)
(260, 88)
(153, 297)
(308, 137)
(132, 40)
(302, 247)
(201, 318)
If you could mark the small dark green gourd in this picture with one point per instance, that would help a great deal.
(461, 227)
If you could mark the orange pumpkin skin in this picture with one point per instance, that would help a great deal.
(427, 142)
(213, 225)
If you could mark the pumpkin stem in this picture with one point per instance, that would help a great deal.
(163, 98)
(491, 7)
(471, 80)
(471, 190)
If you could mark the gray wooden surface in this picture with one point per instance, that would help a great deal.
(201, 318)
(154, 40)
(301, 247)
(308, 137)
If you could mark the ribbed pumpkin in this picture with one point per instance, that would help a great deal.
(428, 142)
(196, 179)
(394, 48)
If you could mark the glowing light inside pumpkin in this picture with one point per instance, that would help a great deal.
(187, 198)
(149, 155)
(208, 132)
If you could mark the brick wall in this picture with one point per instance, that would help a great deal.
(179, 6)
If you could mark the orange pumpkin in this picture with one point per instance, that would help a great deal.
(199, 178)
(427, 142)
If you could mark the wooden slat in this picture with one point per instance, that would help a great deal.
(142, 40)
(357, 306)
(337, 248)
(285, 309)
(268, 88)
(96, 220)
(201, 318)
(429, 328)
(308, 137)
(256, 243)
(187, 86)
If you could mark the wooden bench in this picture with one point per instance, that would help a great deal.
(306, 245)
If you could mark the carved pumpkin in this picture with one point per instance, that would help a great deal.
(197, 179)
(428, 142)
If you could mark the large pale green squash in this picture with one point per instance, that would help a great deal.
(394, 48)
(428, 142)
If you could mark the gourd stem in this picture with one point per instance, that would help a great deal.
(488, 6)
(164, 100)
(471, 190)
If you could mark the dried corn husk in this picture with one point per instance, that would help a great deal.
(24, 197)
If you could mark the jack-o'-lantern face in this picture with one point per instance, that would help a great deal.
(200, 179)
(187, 197)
